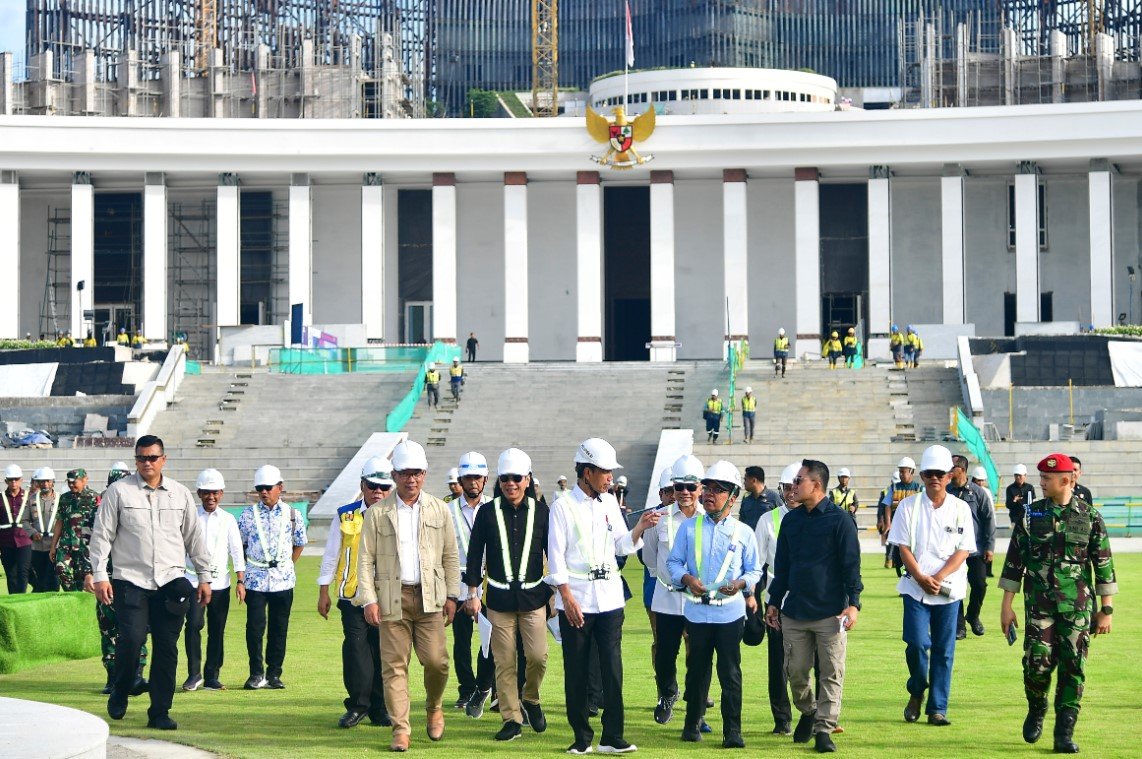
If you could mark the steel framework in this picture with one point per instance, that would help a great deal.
(545, 57)
(1080, 20)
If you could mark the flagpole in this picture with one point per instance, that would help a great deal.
(626, 55)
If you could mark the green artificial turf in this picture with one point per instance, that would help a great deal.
(986, 709)
(38, 629)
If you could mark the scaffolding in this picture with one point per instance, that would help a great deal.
(1079, 21)
(193, 253)
(55, 306)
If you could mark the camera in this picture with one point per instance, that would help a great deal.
(946, 590)
(600, 573)
(272, 564)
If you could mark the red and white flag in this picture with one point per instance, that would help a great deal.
(630, 37)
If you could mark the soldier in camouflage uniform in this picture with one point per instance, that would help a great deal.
(1055, 549)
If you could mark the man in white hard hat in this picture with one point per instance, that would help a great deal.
(509, 537)
(273, 534)
(432, 386)
(1020, 494)
(586, 535)
(714, 559)
(408, 582)
(897, 492)
(712, 413)
(780, 352)
(224, 547)
(620, 491)
(934, 534)
(749, 413)
(476, 685)
(844, 496)
(15, 543)
(814, 600)
(39, 523)
(361, 648)
(454, 488)
(561, 488)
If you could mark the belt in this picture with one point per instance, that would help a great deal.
(706, 600)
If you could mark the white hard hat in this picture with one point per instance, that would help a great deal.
(907, 463)
(748, 390)
(44, 473)
(409, 455)
(979, 473)
(377, 470)
(1020, 469)
(473, 464)
(455, 360)
(211, 479)
(936, 458)
(664, 480)
(453, 476)
(844, 472)
(896, 477)
(714, 392)
(13, 472)
(562, 478)
(514, 461)
(120, 466)
(598, 453)
(432, 365)
(724, 471)
(788, 473)
(687, 469)
(781, 332)
(622, 481)
(267, 475)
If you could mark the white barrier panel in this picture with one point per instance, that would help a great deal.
(27, 380)
(346, 486)
(672, 444)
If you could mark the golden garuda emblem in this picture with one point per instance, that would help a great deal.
(622, 134)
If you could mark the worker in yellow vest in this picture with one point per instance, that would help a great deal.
(849, 348)
(832, 349)
(456, 378)
(123, 338)
(138, 341)
(749, 411)
(89, 341)
(712, 412)
(361, 652)
(432, 385)
(896, 345)
(780, 352)
(913, 347)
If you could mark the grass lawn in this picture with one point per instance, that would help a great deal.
(987, 704)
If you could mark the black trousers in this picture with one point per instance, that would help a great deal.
(671, 628)
(137, 611)
(725, 640)
(778, 683)
(606, 632)
(977, 581)
(361, 662)
(484, 678)
(213, 615)
(43, 573)
(279, 604)
(17, 563)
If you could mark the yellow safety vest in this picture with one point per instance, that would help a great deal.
(749, 403)
(346, 575)
(123, 339)
(832, 345)
(843, 499)
(915, 341)
(781, 344)
(714, 406)
(432, 377)
(850, 341)
(456, 371)
(896, 339)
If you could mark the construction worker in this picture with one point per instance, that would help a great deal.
(123, 338)
(832, 349)
(15, 543)
(913, 347)
(780, 352)
(897, 492)
(712, 412)
(39, 521)
(456, 378)
(561, 488)
(89, 341)
(454, 488)
(749, 412)
(65, 340)
(849, 348)
(843, 495)
(432, 386)
(138, 341)
(649, 583)
(896, 345)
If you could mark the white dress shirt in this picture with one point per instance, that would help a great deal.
(408, 541)
(608, 538)
(658, 541)
(767, 544)
(935, 536)
(464, 532)
(223, 545)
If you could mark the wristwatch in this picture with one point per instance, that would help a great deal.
(747, 594)
(1107, 609)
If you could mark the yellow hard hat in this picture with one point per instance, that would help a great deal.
(834, 333)
(852, 331)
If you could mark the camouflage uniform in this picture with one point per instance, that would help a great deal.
(1052, 554)
(77, 515)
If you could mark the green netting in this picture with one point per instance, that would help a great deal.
(40, 628)
(975, 443)
(345, 360)
(441, 354)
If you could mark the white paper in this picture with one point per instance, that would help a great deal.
(553, 626)
(485, 634)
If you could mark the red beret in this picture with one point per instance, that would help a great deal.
(1057, 462)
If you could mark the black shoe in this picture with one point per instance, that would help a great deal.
(704, 727)
(462, 701)
(1065, 720)
(939, 720)
(116, 707)
(691, 734)
(804, 729)
(380, 719)
(350, 719)
(825, 744)
(475, 706)
(509, 731)
(1033, 725)
(213, 684)
(162, 723)
(140, 686)
(580, 747)
(194, 682)
(733, 740)
(976, 626)
(912, 709)
(494, 704)
(783, 728)
(255, 682)
(664, 712)
(109, 686)
(275, 683)
(533, 715)
(961, 633)
(615, 746)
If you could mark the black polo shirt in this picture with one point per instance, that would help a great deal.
(817, 563)
(754, 506)
(484, 549)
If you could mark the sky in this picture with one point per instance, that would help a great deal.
(12, 27)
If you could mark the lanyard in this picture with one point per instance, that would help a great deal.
(586, 536)
(13, 521)
(504, 548)
(725, 568)
(40, 512)
(463, 529)
(671, 530)
(266, 555)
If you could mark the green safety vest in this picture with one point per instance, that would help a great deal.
(749, 403)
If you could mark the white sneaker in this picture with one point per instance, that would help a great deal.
(617, 746)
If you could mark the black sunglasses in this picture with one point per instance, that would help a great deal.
(516, 478)
(264, 488)
(377, 485)
(680, 486)
(148, 459)
(933, 473)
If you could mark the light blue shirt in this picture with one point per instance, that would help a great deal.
(729, 536)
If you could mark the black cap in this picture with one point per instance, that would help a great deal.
(177, 594)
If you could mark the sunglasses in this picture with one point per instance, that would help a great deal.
(933, 474)
(377, 485)
(799, 479)
(264, 488)
(148, 459)
(690, 486)
(516, 478)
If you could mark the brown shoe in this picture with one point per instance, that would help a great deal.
(400, 742)
(436, 724)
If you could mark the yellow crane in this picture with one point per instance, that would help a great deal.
(205, 32)
(545, 57)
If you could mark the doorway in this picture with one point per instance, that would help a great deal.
(414, 264)
(110, 318)
(418, 321)
(1046, 311)
(626, 273)
(118, 258)
(844, 259)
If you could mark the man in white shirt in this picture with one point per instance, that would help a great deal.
(934, 534)
(586, 535)
(224, 546)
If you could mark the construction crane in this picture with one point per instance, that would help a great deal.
(545, 57)
(205, 32)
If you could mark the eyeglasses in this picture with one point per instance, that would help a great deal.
(716, 488)
(265, 488)
(148, 459)
(410, 474)
(516, 478)
(689, 486)
(933, 474)
(377, 485)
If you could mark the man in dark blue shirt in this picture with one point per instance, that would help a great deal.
(758, 498)
(818, 546)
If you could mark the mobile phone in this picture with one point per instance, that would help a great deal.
(1012, 635)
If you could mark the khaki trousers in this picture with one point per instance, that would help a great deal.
(532, 627)
(823, 638)
(424, 632)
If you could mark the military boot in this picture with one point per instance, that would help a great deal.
(1065, 721)
(1033, 725)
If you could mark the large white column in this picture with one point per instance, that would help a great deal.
(589, 267)
(515, 268)
(1027, 243)
(735, 221)
(155, 257)
(373, 256)
(953, 282)
(807, 259)
(228, 264)
(1101, 191)
(444, 257)
(879, 251)
(301, 246)
(82, 251)
(662, 336)
(9, 255)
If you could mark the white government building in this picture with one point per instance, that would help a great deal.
(742, 223)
